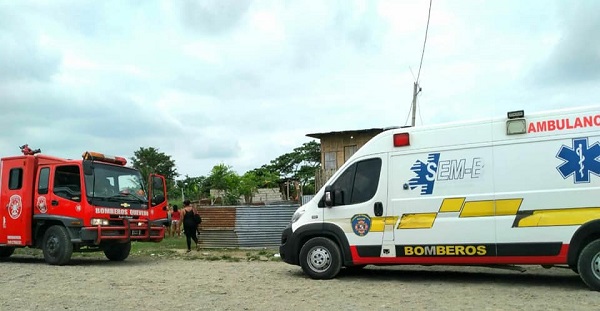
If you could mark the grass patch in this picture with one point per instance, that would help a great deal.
(174, 248)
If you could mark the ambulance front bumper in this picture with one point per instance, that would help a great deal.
(288, 247)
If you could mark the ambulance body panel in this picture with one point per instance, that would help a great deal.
(518, 190)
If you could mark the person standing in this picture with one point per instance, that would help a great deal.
(189, 224)
(168, 223)
(176, 221)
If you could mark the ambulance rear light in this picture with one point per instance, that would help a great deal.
(401, 139)
(96, 156)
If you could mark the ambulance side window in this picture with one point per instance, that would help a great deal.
(366, 180)
(44, 180)
(358, 182)
(67, 182)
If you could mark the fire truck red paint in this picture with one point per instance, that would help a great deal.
(61, 205)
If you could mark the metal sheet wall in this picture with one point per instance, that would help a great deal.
(253, 227)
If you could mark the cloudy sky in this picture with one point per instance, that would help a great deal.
(242, 82)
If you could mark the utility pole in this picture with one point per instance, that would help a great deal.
(416, 91)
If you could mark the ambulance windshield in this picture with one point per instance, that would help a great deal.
(109, 184)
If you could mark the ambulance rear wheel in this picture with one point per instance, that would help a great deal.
(320, 258)
(57, 246)
(588, 265)
(6, 251)
(117, 251)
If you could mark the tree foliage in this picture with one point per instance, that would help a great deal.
(299, 165)
(226, 181)
(151, 161)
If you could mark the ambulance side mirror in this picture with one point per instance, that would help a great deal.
(328, 198)
(333, 197)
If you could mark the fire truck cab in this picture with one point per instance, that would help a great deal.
(91, 204)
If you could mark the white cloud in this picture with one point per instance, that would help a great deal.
(242, 82)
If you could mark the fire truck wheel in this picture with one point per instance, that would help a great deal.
(117, 251)
(320, 258)
(57, 246)
(588, 265)
(6, 251)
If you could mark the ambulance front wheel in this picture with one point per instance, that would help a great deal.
(588, 265)
(57, 246)
(320, 258)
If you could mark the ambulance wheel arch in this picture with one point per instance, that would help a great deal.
(328, 231)
(585, 235)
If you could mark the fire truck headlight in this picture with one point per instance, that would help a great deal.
(140, 224)
(99, 222)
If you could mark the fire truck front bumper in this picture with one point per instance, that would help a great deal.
(124, 230)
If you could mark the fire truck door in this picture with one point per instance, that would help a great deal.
(16, 200)
(157, 209)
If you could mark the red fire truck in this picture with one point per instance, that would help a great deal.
(92, 204)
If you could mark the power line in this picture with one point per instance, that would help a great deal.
(424, 41)
(416, 87)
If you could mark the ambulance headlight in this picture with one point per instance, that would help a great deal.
(99, 222)
(297, 215)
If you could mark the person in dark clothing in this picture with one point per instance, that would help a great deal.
(189, 224)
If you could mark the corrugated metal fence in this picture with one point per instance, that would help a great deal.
(244, 227)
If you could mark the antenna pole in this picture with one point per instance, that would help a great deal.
(414, 103)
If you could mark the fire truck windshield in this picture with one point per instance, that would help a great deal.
(110, 185)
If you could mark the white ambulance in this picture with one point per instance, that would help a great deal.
(521, 190)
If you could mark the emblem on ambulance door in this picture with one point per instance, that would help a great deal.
(41, 205)
(15, 206)
(361, 224)
(579, 160)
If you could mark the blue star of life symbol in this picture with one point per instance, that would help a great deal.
(426, 173)
(579, 160)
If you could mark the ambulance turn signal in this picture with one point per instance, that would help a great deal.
(401, 139)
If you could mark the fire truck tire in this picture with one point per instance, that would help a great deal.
(6, 251)
(57, 246)
(117, 251)
(320, 258)
(588, 265)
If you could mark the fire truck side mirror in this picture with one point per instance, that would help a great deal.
(88, 168)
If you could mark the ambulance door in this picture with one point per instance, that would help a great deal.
(358, 204)
(17, 177)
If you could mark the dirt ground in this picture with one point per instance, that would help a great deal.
(146, 283)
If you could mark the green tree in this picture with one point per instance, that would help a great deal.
(194, 188)
(300, 165)
(151, 161)
(226, 181)
(249, 183)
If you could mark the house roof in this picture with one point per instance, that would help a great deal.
(376, 129)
